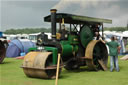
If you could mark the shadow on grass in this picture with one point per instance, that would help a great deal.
(9, 61)
(47, 79)
(67, 73)
(6, 62)
(79, 70)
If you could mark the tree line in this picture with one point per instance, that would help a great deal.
(116, 29)
(37, 30)
(27, 30)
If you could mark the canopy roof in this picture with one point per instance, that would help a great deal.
(76, 19)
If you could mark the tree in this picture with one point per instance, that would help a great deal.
(26, 31)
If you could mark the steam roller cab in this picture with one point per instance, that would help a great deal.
(79, 45)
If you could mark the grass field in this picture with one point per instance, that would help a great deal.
(12, 74)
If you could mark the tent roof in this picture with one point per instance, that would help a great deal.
(76, 19)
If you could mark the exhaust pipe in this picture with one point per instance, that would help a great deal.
(53, 23)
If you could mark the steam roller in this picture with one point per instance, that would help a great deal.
(79, 45)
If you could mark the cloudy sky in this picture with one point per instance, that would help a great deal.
(30, 13)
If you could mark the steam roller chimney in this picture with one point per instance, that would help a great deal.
(53, 23)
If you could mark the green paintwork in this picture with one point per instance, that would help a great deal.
(54, 53)
(76, 19)
(32, 49)
(86, 35)
(73, 39)
(67, 49)
(75, 48)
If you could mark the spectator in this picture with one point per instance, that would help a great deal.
(114, 49)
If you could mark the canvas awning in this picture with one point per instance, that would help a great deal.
(76, 19)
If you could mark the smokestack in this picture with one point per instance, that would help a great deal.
(53, 23)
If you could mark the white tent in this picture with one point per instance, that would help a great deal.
(122, 39)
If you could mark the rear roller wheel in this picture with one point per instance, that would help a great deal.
(96, 55)
(39, 65)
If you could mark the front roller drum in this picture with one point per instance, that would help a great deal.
(39, 65)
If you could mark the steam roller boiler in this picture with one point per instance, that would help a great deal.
(79, 45)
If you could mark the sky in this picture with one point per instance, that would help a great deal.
(30, 13)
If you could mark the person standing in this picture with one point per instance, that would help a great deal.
(114, 49)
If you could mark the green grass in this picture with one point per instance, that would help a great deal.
(12, 74)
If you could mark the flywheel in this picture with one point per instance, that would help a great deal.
(86, 35)
(96, 55)
(39, 65)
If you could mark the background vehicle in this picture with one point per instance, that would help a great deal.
(3, 46)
